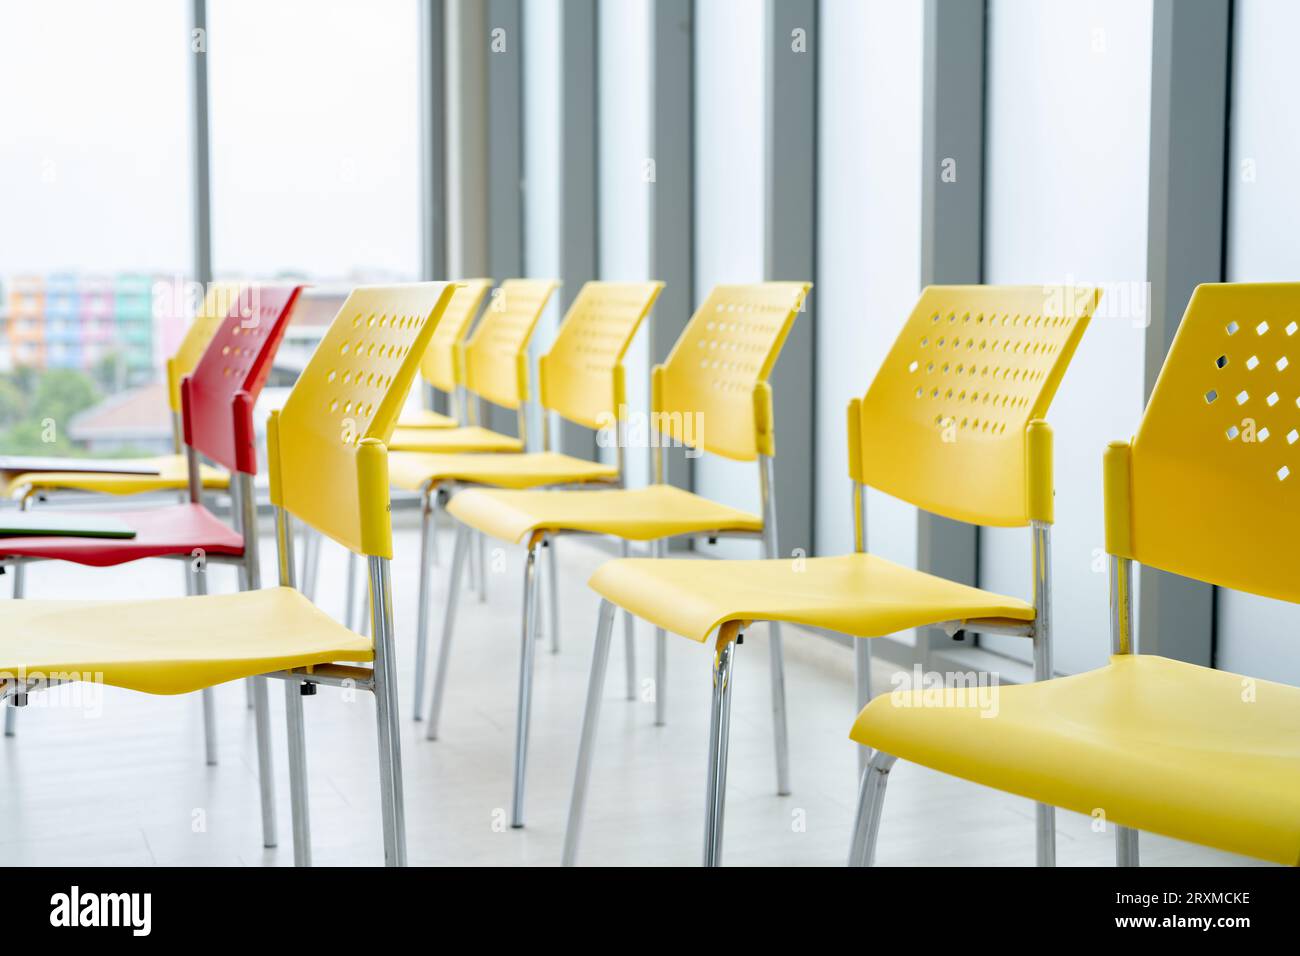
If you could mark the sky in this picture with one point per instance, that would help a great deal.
(314, 132)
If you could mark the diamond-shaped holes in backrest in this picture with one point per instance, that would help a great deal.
(1251, 366)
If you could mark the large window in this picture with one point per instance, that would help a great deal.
(95, 221)
(1256, 635)
(1066, 202)
(315, 138)
(624, 198)
(729, 200)
(868, 243)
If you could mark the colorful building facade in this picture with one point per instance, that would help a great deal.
(66, 320)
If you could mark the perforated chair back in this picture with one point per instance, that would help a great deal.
(952, 422)
(216, 305)
(441, 364)
(496, 356)
(712, 392)
(217, 398)
(581, 377)
(1210, 487)
(327, 446)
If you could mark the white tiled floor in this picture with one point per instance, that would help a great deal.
(128, 785)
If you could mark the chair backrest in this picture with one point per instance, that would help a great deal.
(711, 393)
(327, 446)
(1210, 486)
(952, 422)
(441, 364)
(217, 398)
(581, 377)
(496, 356)
(216, 305)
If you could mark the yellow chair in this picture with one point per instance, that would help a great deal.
(492, 366)
(1208, 490)
(172, 470)
(443, 363)
(495, 364)
(711, 395)
(328, 468)
(952, 423)
(581, 379)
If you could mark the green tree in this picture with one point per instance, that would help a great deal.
(60, 394)
(13, 402)
(36, 408)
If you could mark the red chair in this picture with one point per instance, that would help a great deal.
(217, 414)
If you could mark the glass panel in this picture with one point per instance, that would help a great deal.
(1255, 635)
(1066, 201)
(95, 232)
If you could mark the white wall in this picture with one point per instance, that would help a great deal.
(1067, 147)
(623, 75)
(729, 167)
(1257, 636)
(868, 241)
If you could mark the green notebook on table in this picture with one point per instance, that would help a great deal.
(61, 524)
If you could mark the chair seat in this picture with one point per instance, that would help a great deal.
(636, 514)
(172, 645)
(413, 470)
(426, 418)
(1156, 744)
(451, 440)
(173, 474)
(858, 594)
(170, 530)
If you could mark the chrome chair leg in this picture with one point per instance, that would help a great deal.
(525, 701)
(1044, 815)
(209, 727)
(200, 579)
(779, 727)
(459, 555)
(306, 582)
(392, 804)
(422, 612)
(871, 803)
(629, 653)
(297, 772)
(350, 593)
(265, 761)
(661, 658)
(11, 711)
(862, 674)
(629, 641)
(1126, 847)
(250, 579)
(590, 718)
(553, 593)
(719, 738)
(434, 526)
(1044, 835)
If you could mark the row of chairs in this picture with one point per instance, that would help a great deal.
(953, 422)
